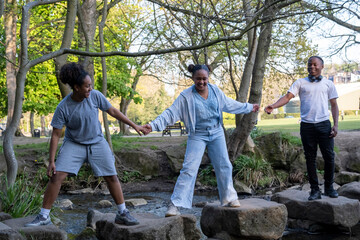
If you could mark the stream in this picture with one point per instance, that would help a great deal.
(74, 221)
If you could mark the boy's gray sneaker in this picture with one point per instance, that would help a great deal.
(39, 221)
(125, 218)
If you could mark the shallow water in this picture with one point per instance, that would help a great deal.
(74, 221)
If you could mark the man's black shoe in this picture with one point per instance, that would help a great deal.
(314, 194)
(331, 192)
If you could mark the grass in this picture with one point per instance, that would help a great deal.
(21, 199)
(292, 125)
(350, 122)
(119, 142)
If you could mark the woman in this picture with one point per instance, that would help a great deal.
(83, 141)
(200, 107)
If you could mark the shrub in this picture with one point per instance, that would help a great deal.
(21, 199)
(253, 169)
(257, 172)
(349, 112)
(130, 176)
(207, 176)
(293, 140)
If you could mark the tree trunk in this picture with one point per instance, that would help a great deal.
(10, 18)
(87, 18)
(66, 43)
(104, 73)
(124, 104)
(24, 66)
(249, 65)
(124, 128)
(32, 123)
(42, 121)
(242, 132)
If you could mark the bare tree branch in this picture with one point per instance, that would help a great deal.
(323, 12)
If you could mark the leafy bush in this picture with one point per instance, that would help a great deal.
(21, 199)
(256, 132)
(293, 140)
(207, 176)
(127, 176)
(349, 112)
(254, 171)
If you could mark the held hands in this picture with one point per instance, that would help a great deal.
(148, 128)
(141, 130)
(255, 107)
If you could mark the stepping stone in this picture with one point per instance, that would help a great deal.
(255, 218)
(350, 190)
(150, 227)
(38, 233)
(340, 211)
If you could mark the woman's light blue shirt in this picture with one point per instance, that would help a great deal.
(206, 110)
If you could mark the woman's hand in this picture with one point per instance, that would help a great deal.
(255, 107)
(51, 169)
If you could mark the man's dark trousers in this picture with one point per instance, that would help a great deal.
(313, 134)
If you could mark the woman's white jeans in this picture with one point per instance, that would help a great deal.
(215, 142)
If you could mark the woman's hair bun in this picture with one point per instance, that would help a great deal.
(191, 68)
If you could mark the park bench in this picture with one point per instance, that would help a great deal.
(167, 130)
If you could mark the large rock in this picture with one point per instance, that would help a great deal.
(150, 227)
(146, 162)
(4, 216)
(352, 158)
(345, 177)
(38, 233)
(333, 211)
(350, 190)
(242, 188)
(176, 156)
(256, 218)
(280, 153)
(320, 163)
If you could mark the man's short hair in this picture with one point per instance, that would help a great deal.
(322, 61)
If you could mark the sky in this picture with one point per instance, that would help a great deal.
(319, 35)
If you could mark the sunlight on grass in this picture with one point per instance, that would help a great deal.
(293, 124)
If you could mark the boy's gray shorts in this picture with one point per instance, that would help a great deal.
(71, 157)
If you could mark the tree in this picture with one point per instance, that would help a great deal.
(344, 13)
(10, 18)
(263, 17)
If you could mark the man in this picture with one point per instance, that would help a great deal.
(315, 91)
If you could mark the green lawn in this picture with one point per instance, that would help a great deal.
(350, 122)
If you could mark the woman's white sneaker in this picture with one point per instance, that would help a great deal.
(172, 211)
(234, 204)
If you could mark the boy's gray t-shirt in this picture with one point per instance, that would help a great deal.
(81, 118)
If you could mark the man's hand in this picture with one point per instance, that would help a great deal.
(334, 131)
(268, 109)
(255, 107)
